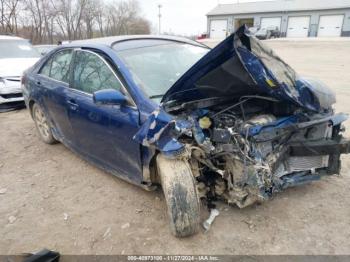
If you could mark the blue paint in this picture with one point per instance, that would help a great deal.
(279, 123)
(109, 97)
(300, 94)
(158, 132)
(185, 85)
(101, 133)
(186, 88)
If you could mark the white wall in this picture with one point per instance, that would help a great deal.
(314, 19)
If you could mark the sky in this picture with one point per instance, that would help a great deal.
(183, 17)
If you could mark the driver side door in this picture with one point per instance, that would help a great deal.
(104, 132)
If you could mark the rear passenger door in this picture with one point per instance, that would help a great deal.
(105, 132)
(53, 82)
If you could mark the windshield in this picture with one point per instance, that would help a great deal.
(156, 68)
(17, 49)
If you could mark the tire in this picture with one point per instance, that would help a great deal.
(42, 125)
(180, 195)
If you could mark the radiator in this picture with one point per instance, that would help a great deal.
(294, 164)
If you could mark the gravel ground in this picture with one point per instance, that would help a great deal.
(49, 197)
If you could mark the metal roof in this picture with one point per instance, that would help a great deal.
(111, 40)
(278, 6)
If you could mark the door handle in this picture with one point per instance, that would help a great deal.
(72, 104)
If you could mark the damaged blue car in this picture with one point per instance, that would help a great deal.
(235, 123)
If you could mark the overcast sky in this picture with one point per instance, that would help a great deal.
(185, 17)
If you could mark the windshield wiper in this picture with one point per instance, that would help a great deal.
(156, 96)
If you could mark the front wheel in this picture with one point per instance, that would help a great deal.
(42, 125)
(180, 195)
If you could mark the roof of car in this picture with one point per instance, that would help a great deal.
(10, 37)
(45, 45)
(111, 40)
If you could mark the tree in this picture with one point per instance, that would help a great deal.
(9, 16)
(47, 21)
(69, 17)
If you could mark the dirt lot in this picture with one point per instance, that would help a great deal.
(51, 198)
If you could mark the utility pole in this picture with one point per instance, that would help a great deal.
(159, 16)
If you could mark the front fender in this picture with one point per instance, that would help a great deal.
(158, 132)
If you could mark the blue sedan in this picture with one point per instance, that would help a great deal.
(235, 123)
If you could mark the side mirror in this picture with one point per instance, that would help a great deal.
(109, 97)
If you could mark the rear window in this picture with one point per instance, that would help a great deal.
(17, 49)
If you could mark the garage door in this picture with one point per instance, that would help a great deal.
(270, 21)
(330, 25)
(218, 28)
(298, 26)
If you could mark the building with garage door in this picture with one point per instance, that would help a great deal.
(294, 18)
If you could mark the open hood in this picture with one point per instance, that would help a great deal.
(242, 65)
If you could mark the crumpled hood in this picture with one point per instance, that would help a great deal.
(15, 66)
(235, 68)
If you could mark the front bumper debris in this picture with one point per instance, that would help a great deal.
(320, 148)
(11, 97)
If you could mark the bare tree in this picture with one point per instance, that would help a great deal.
(69, 17)
(47, 21)
(89, 17)
(35, 10)
(9, 16)
(121, 16)
(138, 26)
(100, 17)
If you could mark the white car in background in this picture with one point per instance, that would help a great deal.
(16, 55)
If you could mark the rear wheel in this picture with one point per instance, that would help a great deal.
(180, 195)
(42, 125)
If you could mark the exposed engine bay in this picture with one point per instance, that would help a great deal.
(244, 152)
(247, 123)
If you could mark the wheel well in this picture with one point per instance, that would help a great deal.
(31, 104)
(153, 168)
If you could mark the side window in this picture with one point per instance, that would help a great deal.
(60, 65)
(92, 74)
(45, 70)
